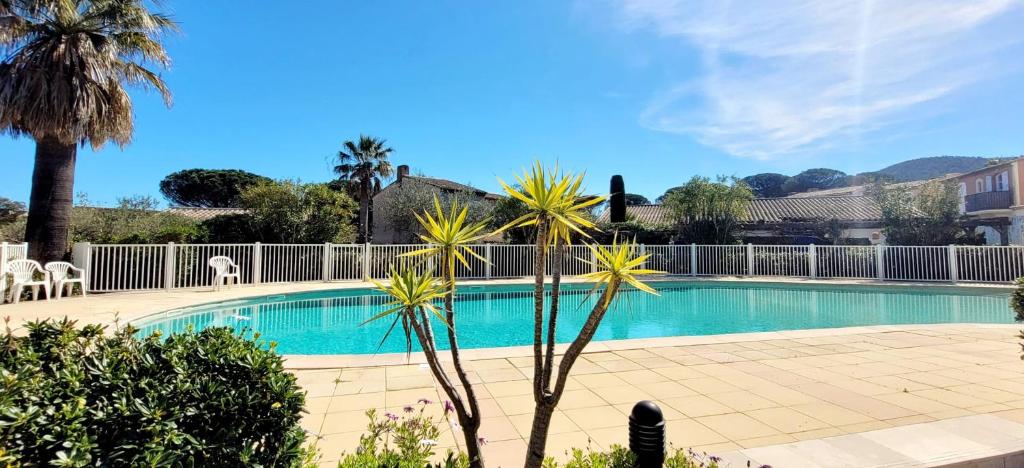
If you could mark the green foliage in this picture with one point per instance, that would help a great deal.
(405, 441)
(1017, 300)
(707, 211)
(932, 217)
(135, 220)
(229, 229)
(633, 199)
(10, 210)
(816, 179)
(506, 210)
(621, 457)
(293, 213)
(81, 397)
(208, 188)
(767, 185)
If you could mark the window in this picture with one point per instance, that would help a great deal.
(1002, 184)
(979, 186)
(988, 183)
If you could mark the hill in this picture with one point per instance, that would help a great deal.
(931, 167)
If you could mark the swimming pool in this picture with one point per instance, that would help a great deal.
(328, 322)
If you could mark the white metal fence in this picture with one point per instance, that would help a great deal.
(9, 252)
(171, 266)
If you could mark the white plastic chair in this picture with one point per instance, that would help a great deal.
(224, 269)
(64, 274)
(23, 273)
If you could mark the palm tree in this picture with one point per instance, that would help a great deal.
(366, 164)
(449, 238)
(62, 75)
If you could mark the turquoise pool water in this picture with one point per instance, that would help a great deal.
(328, 322)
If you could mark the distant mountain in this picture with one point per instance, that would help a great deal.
(931, 167)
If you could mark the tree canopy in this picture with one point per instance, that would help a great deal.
(932, 217)
(10, 210)
(707, 211)
(636, 199)
(292, 213)
(208, 188)
(767, 184)
(816, 179)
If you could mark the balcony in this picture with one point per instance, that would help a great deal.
(989, 201)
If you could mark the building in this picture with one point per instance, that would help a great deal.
(992, 203)
(391, 225)
(799, 220)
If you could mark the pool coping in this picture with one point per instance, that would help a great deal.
(333, 361)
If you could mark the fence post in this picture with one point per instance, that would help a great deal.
(169, 266)
(257, 263)
(327, 261)
(693, 259)
(879, 262)
(487, 261)
(366, 261)
(3, 272)
(812, 260)
(953, 274)
(81, 257)
(750, 259)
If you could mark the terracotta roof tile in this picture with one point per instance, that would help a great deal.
(774, 210)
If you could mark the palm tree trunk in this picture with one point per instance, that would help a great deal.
(544, 410)
(538, 309)
(364, 211)
(49, 212)
(556, 282)
(469, 422)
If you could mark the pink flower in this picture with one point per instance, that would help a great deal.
(424, 401)
(481, 440)
(391, 416)
(408, 409)
(448, 407)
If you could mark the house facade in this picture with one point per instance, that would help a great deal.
(393, 222)
(991, 201)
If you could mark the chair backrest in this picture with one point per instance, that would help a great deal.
(22, 270)
(58, 270)
(221, 264)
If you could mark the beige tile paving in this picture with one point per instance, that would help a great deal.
(829, 385)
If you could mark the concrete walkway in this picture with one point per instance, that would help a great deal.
(717, 398)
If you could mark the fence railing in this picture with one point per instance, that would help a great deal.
(172, 266)
(9, 252)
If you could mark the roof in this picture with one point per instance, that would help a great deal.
(775, 210)
(203, 214)
(445, 184)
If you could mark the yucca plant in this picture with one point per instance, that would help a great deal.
(448, 237)
(558, 209)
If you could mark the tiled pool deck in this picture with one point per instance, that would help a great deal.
(717, 397)
(720, 393)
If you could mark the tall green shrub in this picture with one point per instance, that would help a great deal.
(78, 397)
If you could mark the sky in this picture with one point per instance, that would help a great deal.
(655, 90)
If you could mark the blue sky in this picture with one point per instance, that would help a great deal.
(657, 90)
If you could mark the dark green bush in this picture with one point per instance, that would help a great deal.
(76, 396)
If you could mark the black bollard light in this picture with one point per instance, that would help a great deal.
(647, 434)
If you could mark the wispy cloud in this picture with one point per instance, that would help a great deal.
(785, 77)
